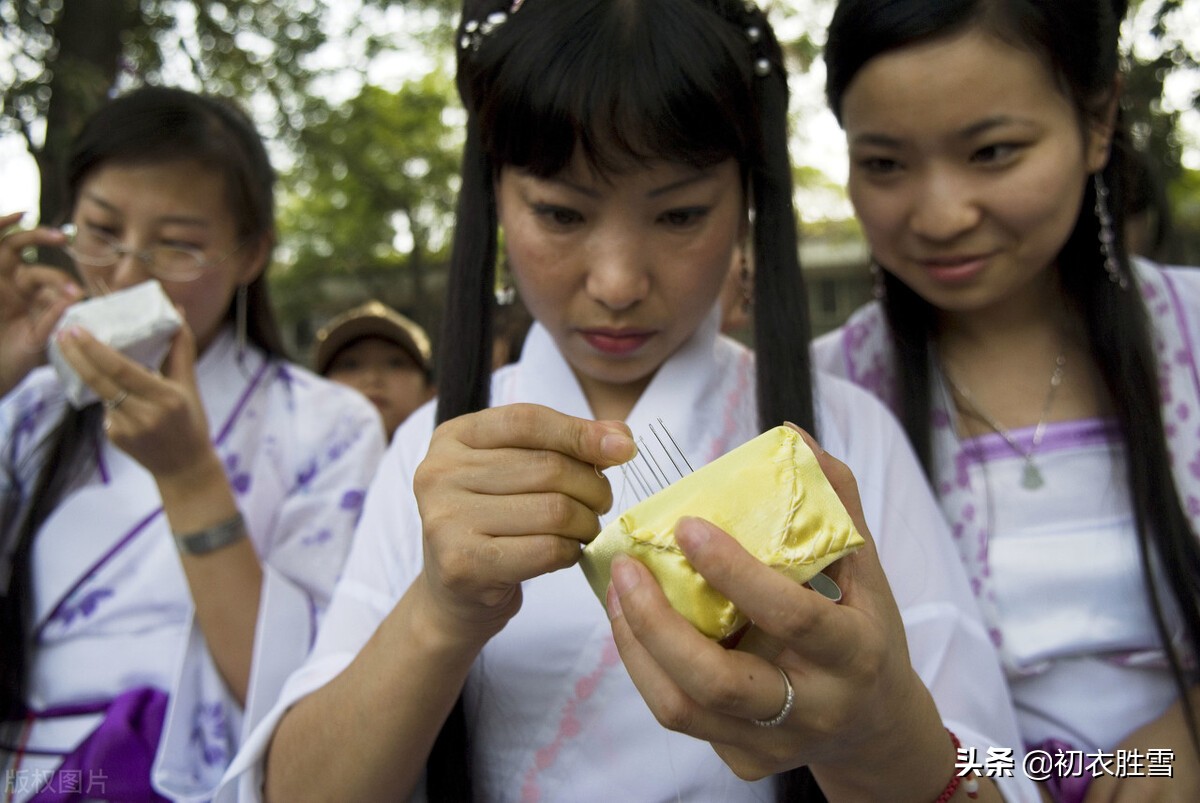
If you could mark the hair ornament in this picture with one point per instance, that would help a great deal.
(754, 35)
(474, 31)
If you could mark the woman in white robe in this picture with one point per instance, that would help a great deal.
(144, 665)
(1049, 381)
(620, 221)
(553, 713)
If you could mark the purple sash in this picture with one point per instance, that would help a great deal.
(114, 761)
(1070, 785)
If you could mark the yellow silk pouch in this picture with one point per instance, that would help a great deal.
(769, 493)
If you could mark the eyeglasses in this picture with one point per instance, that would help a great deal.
(169, 263)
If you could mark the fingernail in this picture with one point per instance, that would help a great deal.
(691, 533)
(73, 290)
(617, 448)
(625, 577)
(613, 601)
(67, 333)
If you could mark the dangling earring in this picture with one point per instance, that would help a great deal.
(746, 280)
(1107, 236)
(878, 288)
(505, 292)
(239, 306)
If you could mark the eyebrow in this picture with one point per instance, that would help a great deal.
(996, 121)
(700, 176)
(969, 132)
(182, 220)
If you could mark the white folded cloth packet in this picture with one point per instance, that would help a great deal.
(139, 322)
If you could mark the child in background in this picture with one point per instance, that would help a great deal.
(380, 353)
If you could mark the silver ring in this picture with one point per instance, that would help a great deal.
(115, 402)
(789, 701)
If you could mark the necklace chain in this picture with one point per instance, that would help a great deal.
(1031, 477)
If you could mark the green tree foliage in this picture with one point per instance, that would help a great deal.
(357, 174)
(1154, 125)
(366, 195)
(69, 55)
(369, 204)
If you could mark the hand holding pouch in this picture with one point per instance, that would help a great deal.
(769, 493)
(138, 321)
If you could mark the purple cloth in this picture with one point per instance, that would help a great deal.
(1072, 786)
(114, 761)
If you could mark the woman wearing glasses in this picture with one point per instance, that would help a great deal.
(163, 553)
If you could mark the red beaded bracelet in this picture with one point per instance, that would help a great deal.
(969, 785)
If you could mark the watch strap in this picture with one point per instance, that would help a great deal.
(212, 538)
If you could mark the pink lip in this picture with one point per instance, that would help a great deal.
(616, 342)
(957, 269)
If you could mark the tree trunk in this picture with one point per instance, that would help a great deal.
(85, 68)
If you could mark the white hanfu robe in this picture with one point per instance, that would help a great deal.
(113, 615)
(1056, 568)
(552, 712)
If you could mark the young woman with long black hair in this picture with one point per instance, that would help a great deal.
(1047, 381)
(621, 148)
(164, 552)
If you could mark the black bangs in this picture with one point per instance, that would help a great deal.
(163, 124)
(668, 95)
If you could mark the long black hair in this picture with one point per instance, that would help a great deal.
(686, 81)
(152, 125)
(1078, 42)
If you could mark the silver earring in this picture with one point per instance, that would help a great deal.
(1107, 236)
(878, 289)
(239, 306)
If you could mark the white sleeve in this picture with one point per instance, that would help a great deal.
(829, 353)
(301, 519)
(948, 642)
(28, 414)
(385, 556)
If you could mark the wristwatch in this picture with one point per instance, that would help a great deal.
(212, 538)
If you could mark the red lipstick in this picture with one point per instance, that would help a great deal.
(616, 342)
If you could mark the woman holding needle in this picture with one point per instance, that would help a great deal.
(621, 146)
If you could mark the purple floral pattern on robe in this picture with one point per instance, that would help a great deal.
(212, 735)
(82, 607)
(870, 363)
(297, 450)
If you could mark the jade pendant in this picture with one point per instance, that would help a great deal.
(1031, 478)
